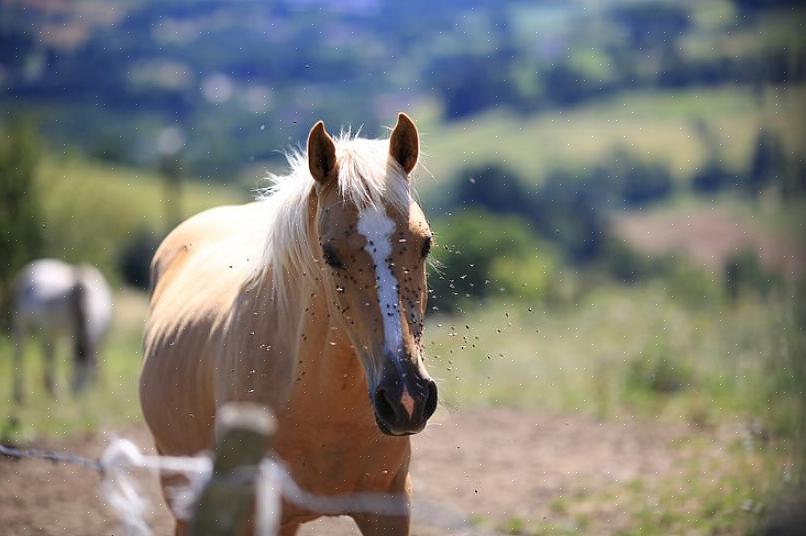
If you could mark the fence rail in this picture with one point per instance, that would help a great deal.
(222, 491)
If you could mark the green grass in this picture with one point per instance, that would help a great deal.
(728, 376)
(621, 351)
(713, 492)
(132, 193)
(716, 487)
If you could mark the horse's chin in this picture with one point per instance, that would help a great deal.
(386, 431)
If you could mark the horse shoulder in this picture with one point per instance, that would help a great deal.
(196, 276)
(218, 229)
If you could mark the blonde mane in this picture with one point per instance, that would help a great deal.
(368, 177)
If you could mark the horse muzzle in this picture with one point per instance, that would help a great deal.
(404, 405)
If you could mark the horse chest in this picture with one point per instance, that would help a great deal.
(334, 461)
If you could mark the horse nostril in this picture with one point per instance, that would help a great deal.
(383, 407)
(431, 401)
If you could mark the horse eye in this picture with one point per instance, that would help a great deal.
(330, 256)
(426, 247)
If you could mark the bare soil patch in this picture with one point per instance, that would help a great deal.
(472, 470)
(710, 237)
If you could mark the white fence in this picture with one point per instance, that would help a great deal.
(222, 490)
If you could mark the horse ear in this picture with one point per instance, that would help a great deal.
(321, 154)
(404, 145)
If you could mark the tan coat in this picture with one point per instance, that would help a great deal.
(217, 333)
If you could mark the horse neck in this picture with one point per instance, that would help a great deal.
(306, 338)
(325, 367)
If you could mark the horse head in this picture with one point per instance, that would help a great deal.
(373, 262)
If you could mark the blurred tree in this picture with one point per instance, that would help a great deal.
(767, 165)
(571, 211)
(567, 85)
(493, 187)
(713, 177)
(20, 214)
(636, 181)
(571, 207)
(652, 24)
(744, 271)
(470, 83)
(478, 253)
(753, 7)
(794, 180)
(626, 264)
(528, 278)
(134, 259)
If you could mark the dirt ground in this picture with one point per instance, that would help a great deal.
(710, 237)
(472, 470)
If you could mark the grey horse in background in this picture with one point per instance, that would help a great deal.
(54, 300)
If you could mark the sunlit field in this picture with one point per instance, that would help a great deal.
(635, 353)
(726, 378)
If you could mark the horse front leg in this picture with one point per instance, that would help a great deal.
(379, 524)
(84, 360)
(16, 377)
(83, 375)
(47, 355)
(289, 529)
(181, 528)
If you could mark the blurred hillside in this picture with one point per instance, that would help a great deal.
(235, 81)
(591, 130)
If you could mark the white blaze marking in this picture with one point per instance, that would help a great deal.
(377, 228)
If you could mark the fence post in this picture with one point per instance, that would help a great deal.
(244, 434)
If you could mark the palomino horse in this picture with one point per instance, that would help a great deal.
(306, 301)
(54, 299)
